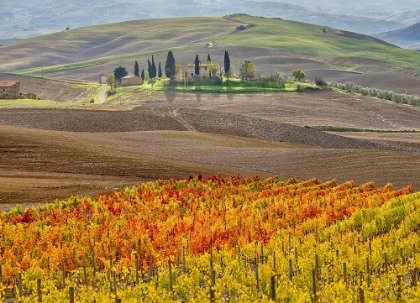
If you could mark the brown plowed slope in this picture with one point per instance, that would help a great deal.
(54, 153)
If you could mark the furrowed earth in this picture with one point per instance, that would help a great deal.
(53, 153)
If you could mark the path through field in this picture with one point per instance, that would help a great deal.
(102, 94)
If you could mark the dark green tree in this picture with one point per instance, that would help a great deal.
(160, 71)
(170, 66)
(149, 68)
(197, 65)
(153, 70)
(120, 72)
(142, 74)
(136, 69)
(226, 63)
(208, 58)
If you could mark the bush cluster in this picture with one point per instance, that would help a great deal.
(378, 93)
(276, 81)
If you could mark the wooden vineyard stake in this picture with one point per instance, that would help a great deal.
(183, 260)
(137, 270)
(274, 263)
(290, 269)
(63, 275)
(85, 276)
(414, 277)
(20, 287)
(212, 290)
(345, 274)
(257, 276)
(368, 270)
(114, 283)
(273, 288)
(38, 289)
(314, 290)
(71, 294)
(150, 264)
(361, 295)
(262, 253)
(170, 277)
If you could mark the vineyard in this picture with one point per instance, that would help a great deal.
(217, 239)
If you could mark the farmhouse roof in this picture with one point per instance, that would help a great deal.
(8, 83)
(201, 64)
(129, 77)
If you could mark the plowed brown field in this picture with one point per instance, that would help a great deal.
(51, 153)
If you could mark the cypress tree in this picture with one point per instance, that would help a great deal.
(227, 63)
(142, 74)
(208, 58)
(153, 75)
(197, 65)
(160, 71)
(170, 66)
(149, 68)
(136, 69)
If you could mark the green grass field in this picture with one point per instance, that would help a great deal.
(140, 93)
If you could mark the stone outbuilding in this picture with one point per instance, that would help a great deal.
(9, 89)
(131, 80)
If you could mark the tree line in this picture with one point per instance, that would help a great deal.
(171, 69)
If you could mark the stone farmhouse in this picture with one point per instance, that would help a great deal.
(204, 69)
(9, 89)
(131, 80)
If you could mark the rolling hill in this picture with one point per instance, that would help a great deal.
(408, 37)
(272, 44)
(38, 17)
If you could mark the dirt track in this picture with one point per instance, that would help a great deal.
(50, 153)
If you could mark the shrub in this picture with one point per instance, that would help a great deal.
(378, 93)
(111, 92)
(320, 81)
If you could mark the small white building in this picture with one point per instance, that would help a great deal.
(102, 79)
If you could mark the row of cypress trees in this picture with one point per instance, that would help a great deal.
(170, 67)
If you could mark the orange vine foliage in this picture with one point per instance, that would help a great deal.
(164, 217)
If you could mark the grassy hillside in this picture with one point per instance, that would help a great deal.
(272, 44)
